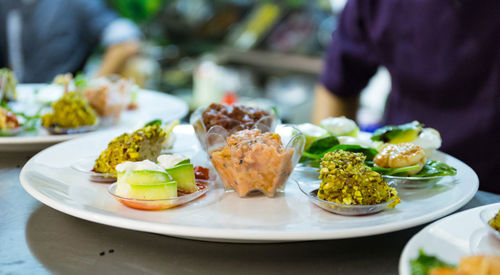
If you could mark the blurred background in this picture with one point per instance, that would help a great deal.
(268, 52)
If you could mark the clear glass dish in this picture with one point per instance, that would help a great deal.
(203, 187)
(71, 131)
(486, 215)
(310, 189)
(265, 124)
(85, 166)
(265, 170)
(412, 182)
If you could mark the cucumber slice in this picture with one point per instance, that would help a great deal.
(144, 177)
(184, 175)
(148, 192)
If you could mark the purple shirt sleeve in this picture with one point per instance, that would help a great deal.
(350, 61)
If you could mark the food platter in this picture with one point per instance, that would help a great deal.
(224, 216)
(452, 238)
(152, 105)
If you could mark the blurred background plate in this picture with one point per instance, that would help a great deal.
(152, 105)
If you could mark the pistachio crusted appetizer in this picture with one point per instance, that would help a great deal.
(145, 143)
(495, 222)
(70, 111)
(347, 180)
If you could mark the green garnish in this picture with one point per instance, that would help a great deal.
(400, 133)
(425, 263)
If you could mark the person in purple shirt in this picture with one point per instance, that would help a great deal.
(444, 62)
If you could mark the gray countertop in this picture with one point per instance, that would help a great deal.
(37, 239)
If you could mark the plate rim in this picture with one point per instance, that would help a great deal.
(240, 235)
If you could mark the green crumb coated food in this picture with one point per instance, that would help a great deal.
(70, 111)
(346, 179)
(495, 222)
(145, 143)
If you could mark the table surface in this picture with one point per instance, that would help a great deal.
(35, 239)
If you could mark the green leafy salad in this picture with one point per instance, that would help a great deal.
(320, 141)
(424, 263)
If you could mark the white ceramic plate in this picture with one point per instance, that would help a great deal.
(152, 105)
(452, 238)
(224, 216)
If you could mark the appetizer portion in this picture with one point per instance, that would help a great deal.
(347, 180)
(109, 96)
(148, 185)
(401, 155)
(495, 222)
(312, 133)
(145, 143)
(8, 83)
(408, 160)
(470, 265)
(230, 118)
(414, 132)
(8, 121)
(318, 148)
(144, 180)
(340, 126)
(252, 160)
(70, 111)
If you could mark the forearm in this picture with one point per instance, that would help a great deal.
(116, 56)
(327, 104)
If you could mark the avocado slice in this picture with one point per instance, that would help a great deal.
(184, 176)
(399, 133)
(185, 161)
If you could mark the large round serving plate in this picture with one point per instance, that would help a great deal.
(223, 216)
(459, 235)
(152, 105)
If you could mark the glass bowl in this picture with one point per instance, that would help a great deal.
(265, 124)
(486, 215)
(310, 189)
(70, 131)
(245, 169)
(85, 166)
(203, 187)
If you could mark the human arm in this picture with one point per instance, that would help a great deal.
(120, 37)
(116, 56)
(350, 62)
(327, 104)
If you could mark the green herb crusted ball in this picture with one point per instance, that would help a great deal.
(145, 143)
(495, 222)
(70, 111)
(347, 180)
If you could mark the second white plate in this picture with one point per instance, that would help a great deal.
(452, 238)
(152, 105)
(219, 216)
